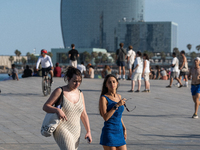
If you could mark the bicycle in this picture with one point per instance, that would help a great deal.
(46, 84)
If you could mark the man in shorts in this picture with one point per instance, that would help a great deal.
(120, 57)
(73, 56)
(195, 85)
(46, 64)
(184, 69)
(174, 71)
(130, 60)
(137, 72)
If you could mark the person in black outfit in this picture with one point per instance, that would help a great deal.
(73, 55)
(120, 57)
(27, 72)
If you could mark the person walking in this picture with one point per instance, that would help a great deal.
(111, 107)
(57, 70)
(174, 71)
(73, 56)
(195, 85)
(130, 60)
(184, 68)
(145, 72)
(67, 134)
(137, 72)
(120, 57)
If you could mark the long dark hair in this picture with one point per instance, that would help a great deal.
(146, 56)
(104, 88)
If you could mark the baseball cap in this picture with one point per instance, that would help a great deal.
(197, 58)
(44, 51)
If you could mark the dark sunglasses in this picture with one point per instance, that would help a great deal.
(127, 107)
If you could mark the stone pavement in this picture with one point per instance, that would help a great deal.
(161, 121)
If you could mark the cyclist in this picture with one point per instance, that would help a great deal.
(47, 65)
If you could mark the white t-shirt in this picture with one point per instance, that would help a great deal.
(131, 54)
(147, 70)
(138, 61)
(45, 62)
(81, 68)
(176, 63)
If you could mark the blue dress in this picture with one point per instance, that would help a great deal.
(112, 132)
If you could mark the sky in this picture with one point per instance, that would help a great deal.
(35, 24)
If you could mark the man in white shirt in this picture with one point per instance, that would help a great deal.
(82, 68)
(137, 72)
(46, 63)
(130, 60)
(174, 71)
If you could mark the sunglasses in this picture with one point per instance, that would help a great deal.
(127, 107)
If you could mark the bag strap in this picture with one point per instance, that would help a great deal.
(61, 96)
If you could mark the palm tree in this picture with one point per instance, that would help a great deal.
(162, 54)
(176, 50)
(198, 47)
(19, 53)
(50, 54)
(64, 58)
(189, 46)
(16, 53)
(104, 58)
(23, 61)
(11, 58)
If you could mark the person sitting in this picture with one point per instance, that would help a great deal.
(158, 72)
(152, 74)
(27, 72)
(57, 71)
(82, 68)
(105, 71)
(163, 74)
(90, 72)
(14, 73)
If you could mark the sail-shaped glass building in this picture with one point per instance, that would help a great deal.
(93, 23)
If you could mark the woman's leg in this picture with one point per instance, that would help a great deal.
(122, 147)
(139, 84)
(109, 148)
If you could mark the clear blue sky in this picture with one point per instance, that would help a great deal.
(29, 24)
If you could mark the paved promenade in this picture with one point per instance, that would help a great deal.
(161, 121)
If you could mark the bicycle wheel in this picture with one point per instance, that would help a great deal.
(49, 86)
(44, 86)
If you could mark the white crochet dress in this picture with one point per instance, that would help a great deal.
(67, 134)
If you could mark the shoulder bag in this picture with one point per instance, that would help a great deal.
(51, 120)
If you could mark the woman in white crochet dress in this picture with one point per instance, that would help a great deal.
(67, 134)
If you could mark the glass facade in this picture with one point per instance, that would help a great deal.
(148, 36)
(93, 23)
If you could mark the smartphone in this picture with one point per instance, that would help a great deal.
(88, 140)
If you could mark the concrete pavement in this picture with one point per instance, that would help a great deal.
(161, 121)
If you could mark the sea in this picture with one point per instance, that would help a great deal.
(5, 76)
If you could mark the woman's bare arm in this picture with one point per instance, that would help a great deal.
(85, 120)
(103, 108)
(48, 106)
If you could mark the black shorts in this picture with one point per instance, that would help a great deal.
(121, 63)
(183, 73)
(45, 70)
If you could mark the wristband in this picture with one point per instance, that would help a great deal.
(115, 107)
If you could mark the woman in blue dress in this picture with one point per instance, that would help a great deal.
(111, 107)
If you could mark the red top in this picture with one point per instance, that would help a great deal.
(57, 72)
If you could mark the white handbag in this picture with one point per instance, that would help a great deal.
(51, 121)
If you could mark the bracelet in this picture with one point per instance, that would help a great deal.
(115, 107)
